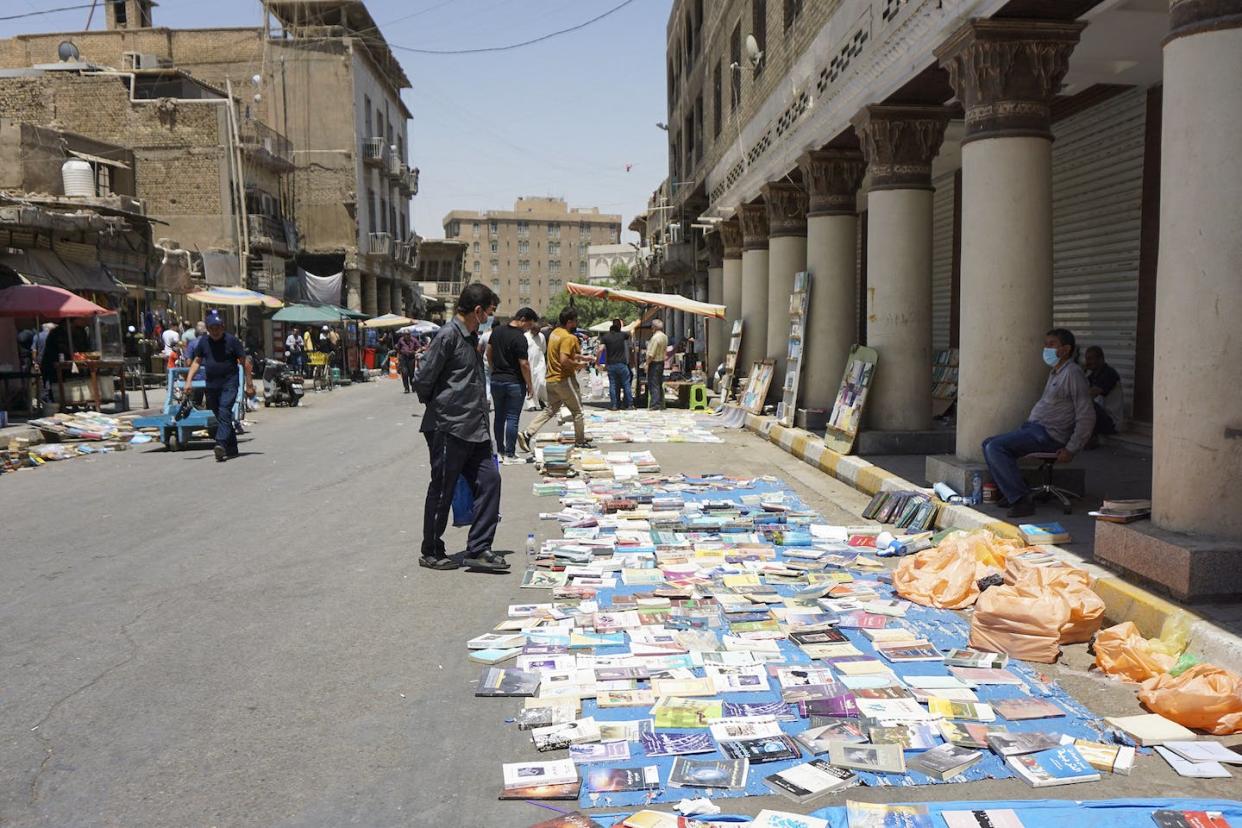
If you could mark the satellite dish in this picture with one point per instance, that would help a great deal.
(66, 51)
(753, 51)
(256, 79)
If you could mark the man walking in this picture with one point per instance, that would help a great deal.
(657, 348)
(617, 358)
(507, 354)
(294, 350)
(219, 354)
(449, 383)
(407, 348)
(564, 361)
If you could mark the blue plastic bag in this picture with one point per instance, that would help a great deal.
(463, 503)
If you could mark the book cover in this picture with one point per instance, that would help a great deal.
(909, 736)
(685, 714)
(989, 818)
(1151, 729)
(1189, 819)
(494, 656)
(660, 743)
(567, 792)
(1012, 744)
(1062, 765)
(817, 738)
(759, 751)
(815, 778)
(606, 780)
(969, 734)
(561, 736)
(708, 773)
(910, 652)
(984, 675)
(526, 774)
(967, 657)
(625, 698)
(572, 820)
(971, 711)
(1017, 710)
(843, 706)
(728, 730)
(599, 752)
(944, 761)
(499, 681)
(873, 758)
(782, 819)
(1194, 770)
(878, 815)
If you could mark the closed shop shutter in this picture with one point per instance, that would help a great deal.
(942, 260)
(1097, 182)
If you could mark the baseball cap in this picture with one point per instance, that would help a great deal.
(214, 318)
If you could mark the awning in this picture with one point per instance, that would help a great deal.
(44, 267)
(638, 297)
(306, 315)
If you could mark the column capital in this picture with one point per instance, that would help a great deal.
(731, 238)
(715, 250)
(899, 143)
(786, 208)
(1190, 17)
(832, 179)
(754, 218)
(1006, 73)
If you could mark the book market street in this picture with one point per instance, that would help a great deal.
(189, 642)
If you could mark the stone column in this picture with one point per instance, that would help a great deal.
(899, 143)
(717, 329)
(368, 294)
(383, 294)
(396, 305)
(786, 256)
(353, 290)
(1197, 422)
(754, 219)
(1005, 73)
(731, 242)
(832, 179)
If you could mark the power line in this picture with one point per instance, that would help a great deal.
(47, 11)
(510, 46)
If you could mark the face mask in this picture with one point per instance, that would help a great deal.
(1050, 357)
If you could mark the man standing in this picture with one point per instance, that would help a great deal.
(1061, 421)
(407, 347)
(294, 350)
(508, 355)
(617, 358)
(564, 361)
(657, 348)
(219, 354)
(449, 383)
(1107, 395)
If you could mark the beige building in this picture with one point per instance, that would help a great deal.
(968, 174)
(441, 274)
(527, 254)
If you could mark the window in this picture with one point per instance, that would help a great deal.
(717, 91)
(523, 266)
(554, 248)
(476, 230)
(735, 67)
(554, 266)
(103, 179)
(370, 210)
(401, 147)
(582, 268)
(793, 8)
(379, 125)
(495, 267)
(405, 232)
(759, 28)
(496, 284)
(475, 249)
(554, 284)
(366, 100)
(688, 164)
(523, 247)
(554, 231)
(392, 217)
(493, 228)
(495, 247)
(698, 127)
(476, 266)
(384, 214)
(523, 229)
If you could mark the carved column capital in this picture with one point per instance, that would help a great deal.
(832, 180)
(899, 143)
(1006, 73)
(715, 250)
(786, 208)
(1189, 17)
(754, 218)
(731, 238)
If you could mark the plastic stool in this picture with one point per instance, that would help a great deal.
(698, 397)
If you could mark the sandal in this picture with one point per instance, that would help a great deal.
(488, 560)
(438, 562)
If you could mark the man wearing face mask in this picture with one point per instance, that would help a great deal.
(449, 382)
(1062, 421)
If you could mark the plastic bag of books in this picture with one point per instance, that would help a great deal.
(1022, 620)
(1086, 609)
(945, 577)
(1122, 652)
(1205, 697)
(989, 549)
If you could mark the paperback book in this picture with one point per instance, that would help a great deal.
(945, 761)
(759, 751)
(658, 743)
(500, 681)
(805, 782)
(612, 780)
(708, 773)
(1062, 765)
(873, 758)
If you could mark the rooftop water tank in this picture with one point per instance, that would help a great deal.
(78, 178)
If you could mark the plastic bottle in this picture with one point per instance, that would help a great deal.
(976, 488)
(530, 548)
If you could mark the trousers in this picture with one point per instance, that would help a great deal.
(564, 392)
(451, 458)
(1002, 452)
(405, 365)
(220, 401)
(619, 386)
(507, 400)
(655, 385)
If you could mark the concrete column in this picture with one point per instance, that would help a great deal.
(754, 218)
(383, 295)
(368, 294)
(786, 256)
(396, 305)
(1005, 73)
(731, 241)
(1197, 423)
(353, 290)
(899, 143)
(832, 178)
(716, 330)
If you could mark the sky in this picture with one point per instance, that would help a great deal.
(563, 117)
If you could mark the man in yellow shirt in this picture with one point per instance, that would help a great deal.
(564, 360)
(657, 348)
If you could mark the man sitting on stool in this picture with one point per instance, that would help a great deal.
(1061, 421)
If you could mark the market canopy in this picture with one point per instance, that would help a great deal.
(639, 297)
(388, 320)
(420, 327)
(44, 267)
(235, 296)
(346, 313)
(307, 314)
(47, 302)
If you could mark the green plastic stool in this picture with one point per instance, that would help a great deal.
(698, 397)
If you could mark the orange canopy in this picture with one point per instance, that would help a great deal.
(638, 297)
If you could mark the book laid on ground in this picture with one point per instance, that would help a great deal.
(531, 717)
(1014, 744)
(599, 752)
(495, 641)
(604, 780)
(1194, 770)
(1105, 757)
(1042, 533)
(708, 773)
(817, 738)
(810, 780)
(1016, 710)
(1205, 751)
(944, 761)
(909, 736)
(879, 815)
(989, 818)
(500, 681)
(967, 657)
(1151, 729)
(561, 736)
(873, 758)
(577, 819)
(526, 774)
(731, 729)
(1189, 819)
(1062, 765)
(566, 792)
(782, 819)
(975, 676)
(494, 656)
(759, 751)
(912, 651)
(664, 743)
(970, 734)
(970, 711)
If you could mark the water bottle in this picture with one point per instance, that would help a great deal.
(976, 488)
(530, 549)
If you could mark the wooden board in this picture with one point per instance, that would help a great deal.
(797, 333)
(847, 410)
(735, 345)
(757, 386)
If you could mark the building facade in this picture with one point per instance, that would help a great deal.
(602, 258)
(968, 174)
(441, 274)
(529, 253)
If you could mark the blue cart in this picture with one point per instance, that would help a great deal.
(174, 433)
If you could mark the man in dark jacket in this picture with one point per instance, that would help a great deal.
(449, 382)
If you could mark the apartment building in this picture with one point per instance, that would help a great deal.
(529, 253)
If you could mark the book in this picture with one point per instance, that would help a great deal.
(759, 751)
(625, 698)
(1189, 819)
(1042, 533)
(750, 727)
(879, 815)
(1013, 744)
(873, 758)
(531, 717)
(494, 656)
(624, 730)
(1062, 765)
(971, 711)
(909, 736)
(974, 676)
(990, 818)
(1016, 710)
(608, 780)
(576, 819)
(1194, 770)
(561, 736)
(893, 710)
(676, 744)
(782, 819)
(671, 713)
(566, 792)
(967, 657)
(969, 734)
(1205, 751)
(599, 752)
(816, 739)
(708, 773)
(1148, 729)
(1105, 757)
(944, 761)
(499, 681)
(912, 651)
(808, 781)
(495, 641)
(526, 774)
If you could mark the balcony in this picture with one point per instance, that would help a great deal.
(273, 234)
(406, 253)
(265, 145)
(394, 165)
(379, 244)
(374, 152)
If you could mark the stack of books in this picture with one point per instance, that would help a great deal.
(1122, 511)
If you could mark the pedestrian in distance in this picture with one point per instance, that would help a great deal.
(565, 359)
(657, 348)
(219, 354)
(450, 384)
(508, 356)
(616, 350)
(407, 348)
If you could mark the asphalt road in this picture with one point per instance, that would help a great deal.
(252, 643)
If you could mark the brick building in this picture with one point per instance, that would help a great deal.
(527, 254)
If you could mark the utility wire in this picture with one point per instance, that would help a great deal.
(47, 11)
(510, 46)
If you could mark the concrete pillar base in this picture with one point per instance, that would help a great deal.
(1186, 567)
(932, 441)
(957, 472)
(811, 419)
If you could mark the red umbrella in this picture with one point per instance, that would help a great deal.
(46, 302)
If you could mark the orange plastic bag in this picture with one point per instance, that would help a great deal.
(1086, 609)
(1023, 620)
(1123, 652)
(1205, 696)
(946, 576)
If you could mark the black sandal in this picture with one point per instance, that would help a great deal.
(438, 562)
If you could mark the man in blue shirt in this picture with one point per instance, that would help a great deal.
(219, 354)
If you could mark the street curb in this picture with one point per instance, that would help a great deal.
(1123, 601)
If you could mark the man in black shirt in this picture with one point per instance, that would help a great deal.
(1106, 393)
(617, 356)
(507, 355)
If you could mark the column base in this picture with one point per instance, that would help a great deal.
(934, 441)
(811, 419)
(957, 472)
(1186, 567)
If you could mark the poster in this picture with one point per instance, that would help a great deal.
(798, 300)
(847, 409)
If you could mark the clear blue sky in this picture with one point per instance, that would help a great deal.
(563, 117)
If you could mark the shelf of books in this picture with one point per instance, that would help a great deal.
(788, 405)
(735, 345)
(847, 409)
(944, 381)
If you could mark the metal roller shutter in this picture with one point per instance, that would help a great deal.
(942, 260)
(1097, 182)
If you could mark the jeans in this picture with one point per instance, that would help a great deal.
(405, 365)
(619, 386)
(1002, 452)
(453, 457)
(220, 401)
(507, 398)
(655, 385)
(564, 392)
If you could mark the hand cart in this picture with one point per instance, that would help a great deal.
(174, 433)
